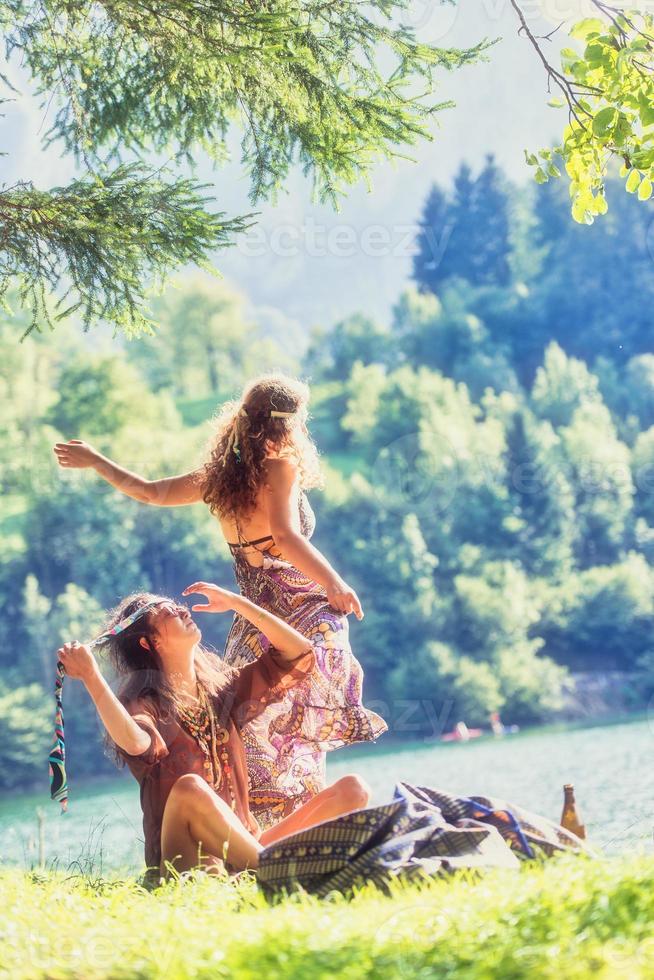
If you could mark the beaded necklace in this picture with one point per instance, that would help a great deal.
(201, 725)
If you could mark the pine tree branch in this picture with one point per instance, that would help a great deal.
(301, 75)
(172, 76)
(98, 241)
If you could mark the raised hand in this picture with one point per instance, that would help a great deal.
(220, 600)
(78, 660)
(75, 454)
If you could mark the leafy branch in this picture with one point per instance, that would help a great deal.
(300, 76)
(125, 78)
(608, 89)
(101, 238)
(571, 92)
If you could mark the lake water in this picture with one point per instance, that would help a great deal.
(610, 766)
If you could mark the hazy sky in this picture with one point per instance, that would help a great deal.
(310, 265)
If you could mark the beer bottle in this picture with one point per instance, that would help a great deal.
(570, 817)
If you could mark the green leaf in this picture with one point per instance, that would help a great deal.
(646, 111)
(585, 28)
(598, 54)
(580, 214)
(601, 205)
(531, 158)
(633, 180)
(643, 159)
(622, 130)
(569, 57)
(645, 189)
(553, 170)
(540, 176)
(604, 121)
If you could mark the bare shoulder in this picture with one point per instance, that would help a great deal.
(280, 472)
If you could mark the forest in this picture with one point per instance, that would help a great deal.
(488, 455)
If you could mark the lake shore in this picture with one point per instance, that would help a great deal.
(608, 764)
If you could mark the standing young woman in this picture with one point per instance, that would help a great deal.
(177, 724)
(262, 462)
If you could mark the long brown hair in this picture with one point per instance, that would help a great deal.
(139, 670)
(246, 432)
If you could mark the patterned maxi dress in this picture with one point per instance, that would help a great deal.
(286, 745)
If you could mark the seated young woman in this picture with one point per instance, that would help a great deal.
(177, 723)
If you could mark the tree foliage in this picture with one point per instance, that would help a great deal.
(304, 77)
(207, 342)
(489, 488)
(100, 239)
(128, 79)
(607, 88)
(26, 733)
(590, 289)
(466, 234)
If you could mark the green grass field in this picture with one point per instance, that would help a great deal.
(570, 918)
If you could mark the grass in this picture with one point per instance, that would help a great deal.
(569, 917)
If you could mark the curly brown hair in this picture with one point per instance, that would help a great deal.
(246, 434)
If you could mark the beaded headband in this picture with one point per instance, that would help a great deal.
(127, 621)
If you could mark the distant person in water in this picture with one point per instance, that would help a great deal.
(177, 723)
(255, 480)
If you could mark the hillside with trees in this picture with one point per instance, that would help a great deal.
(489, 455)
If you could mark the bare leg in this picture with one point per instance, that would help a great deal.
(346, 794)
(196, 818)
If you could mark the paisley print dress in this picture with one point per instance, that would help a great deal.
(286, 745)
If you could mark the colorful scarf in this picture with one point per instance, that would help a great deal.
(57, 757)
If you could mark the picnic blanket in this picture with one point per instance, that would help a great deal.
(421, 831)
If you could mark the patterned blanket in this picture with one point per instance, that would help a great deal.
(421, 831)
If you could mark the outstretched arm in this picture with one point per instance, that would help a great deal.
(171, 491)
(80, 663)
(282, 475)
(283, 637)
